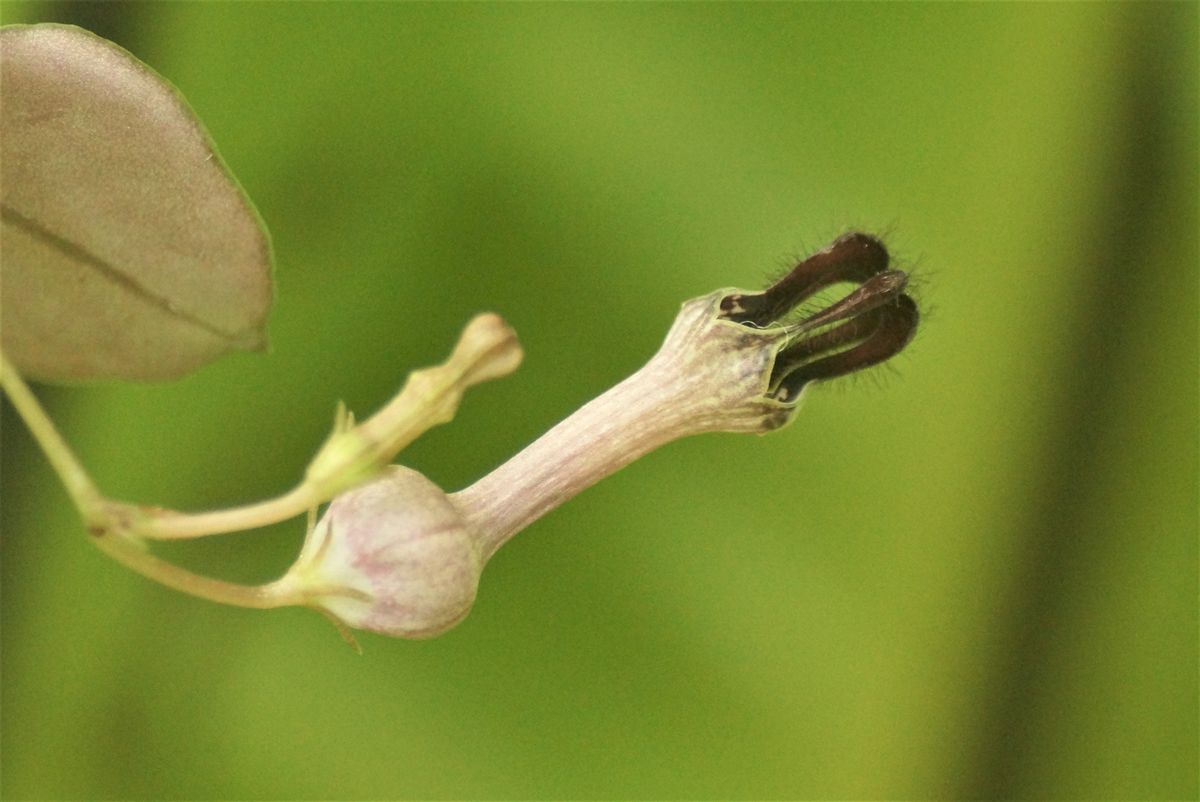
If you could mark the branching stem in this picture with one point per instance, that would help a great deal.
(352, 454)
(97, 511)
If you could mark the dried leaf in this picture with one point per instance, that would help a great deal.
(128, 250)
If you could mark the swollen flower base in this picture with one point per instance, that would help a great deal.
(399, 556)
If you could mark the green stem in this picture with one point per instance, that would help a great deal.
(95, 510)
(77, 481)
(172, 525)
(272, 594)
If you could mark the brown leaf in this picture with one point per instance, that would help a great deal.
(128, 250)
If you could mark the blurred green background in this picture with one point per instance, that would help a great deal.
(974, 577)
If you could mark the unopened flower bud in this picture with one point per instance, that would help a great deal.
(401, 557)
(487, 349)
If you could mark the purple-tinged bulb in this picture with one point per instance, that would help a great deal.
(392, 556)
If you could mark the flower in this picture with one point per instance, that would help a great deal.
(399, 556)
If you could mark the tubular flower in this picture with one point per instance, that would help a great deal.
(401, 557)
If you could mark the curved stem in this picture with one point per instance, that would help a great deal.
(173, 525)
(95, 510)
(487, 349)
(98, 511)
(272, 594)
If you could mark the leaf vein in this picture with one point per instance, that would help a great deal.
(111, 272)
